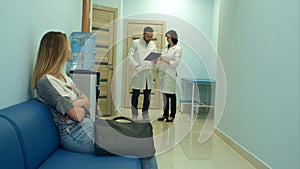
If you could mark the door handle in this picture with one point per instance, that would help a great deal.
(110, 67)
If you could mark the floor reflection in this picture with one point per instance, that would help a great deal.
(178, 144)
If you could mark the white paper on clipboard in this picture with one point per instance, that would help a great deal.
(152, 56)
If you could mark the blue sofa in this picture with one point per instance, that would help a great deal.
(30, 140)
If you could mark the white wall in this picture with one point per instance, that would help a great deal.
(180, 15)
(259, 48)
(193, 22)
(195, 31)
(23, 23)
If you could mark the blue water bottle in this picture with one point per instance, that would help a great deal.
(83, 46)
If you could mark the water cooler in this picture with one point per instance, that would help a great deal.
(83, 46)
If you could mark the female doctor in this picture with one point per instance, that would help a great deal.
(169, 60)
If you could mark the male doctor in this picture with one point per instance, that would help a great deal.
(142, 76)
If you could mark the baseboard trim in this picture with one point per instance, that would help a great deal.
(246, 155)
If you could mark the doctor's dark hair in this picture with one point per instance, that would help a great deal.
(148, 29)
(173, 35)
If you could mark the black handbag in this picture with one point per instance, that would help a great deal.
(124, 138)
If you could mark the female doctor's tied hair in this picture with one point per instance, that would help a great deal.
(173, 35)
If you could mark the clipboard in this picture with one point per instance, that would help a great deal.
(152, 56)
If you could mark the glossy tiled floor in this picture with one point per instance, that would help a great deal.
(179, 146)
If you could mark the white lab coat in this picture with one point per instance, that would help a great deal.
(142, 69)
(168, 72)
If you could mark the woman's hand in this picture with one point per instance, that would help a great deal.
(76, 113)
(82, 101)
(164, 60)
(154, 60)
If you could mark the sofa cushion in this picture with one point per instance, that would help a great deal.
(63, 159)
(11, 155)
(36, 131)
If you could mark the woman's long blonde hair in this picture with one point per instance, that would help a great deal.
(53, 53)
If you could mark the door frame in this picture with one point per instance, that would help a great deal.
(112, 62)
(125, 49)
